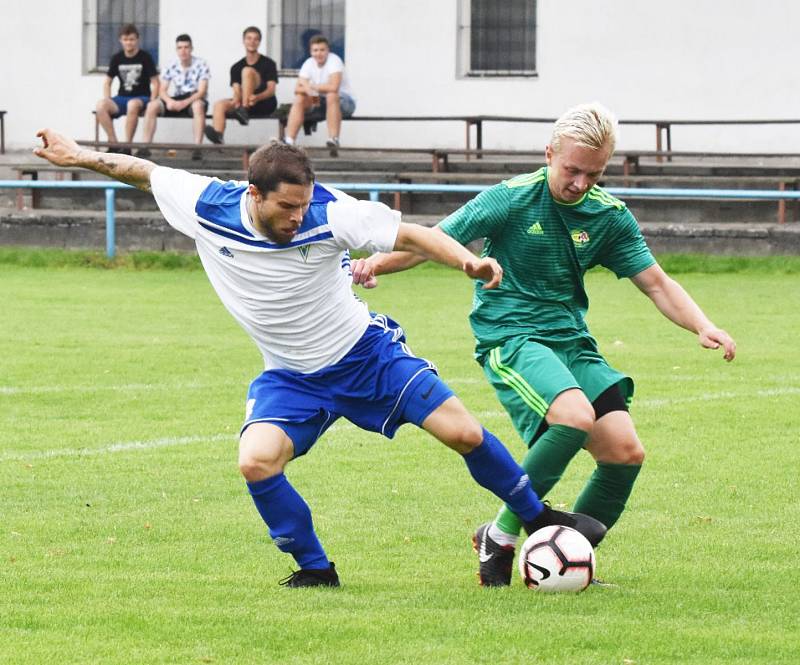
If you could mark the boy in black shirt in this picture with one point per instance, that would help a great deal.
(138, 84)
(253, 79)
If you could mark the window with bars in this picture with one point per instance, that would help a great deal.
(497, 38)
(293, 22)
(102, 20)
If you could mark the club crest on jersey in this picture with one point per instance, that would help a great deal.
(304, 252)
(580, 238)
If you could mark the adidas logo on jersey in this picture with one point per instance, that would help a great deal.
(536, 229)
(226, 252)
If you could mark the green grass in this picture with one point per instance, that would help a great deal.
(126, 534)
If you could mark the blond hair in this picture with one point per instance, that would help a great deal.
(590, 125)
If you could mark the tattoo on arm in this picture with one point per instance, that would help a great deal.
(127, 169)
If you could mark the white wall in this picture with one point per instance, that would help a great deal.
(682, 59)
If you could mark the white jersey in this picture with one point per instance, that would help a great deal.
(294, 300)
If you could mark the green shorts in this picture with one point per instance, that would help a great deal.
(528, 375)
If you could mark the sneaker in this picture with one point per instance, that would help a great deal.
(213, 135)
(144, 153)
(494, 561)
(312, 577)
(593, 530)
(333, 146)
(241, 115)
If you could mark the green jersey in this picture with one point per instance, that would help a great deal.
(545, 247)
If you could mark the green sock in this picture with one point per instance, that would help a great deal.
(544, 463)
(607, 491)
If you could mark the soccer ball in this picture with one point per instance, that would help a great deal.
(556, 558)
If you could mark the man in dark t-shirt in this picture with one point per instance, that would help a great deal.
(253, 80)
(138, 84)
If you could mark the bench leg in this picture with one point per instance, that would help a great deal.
(658, 141)
(781, 204)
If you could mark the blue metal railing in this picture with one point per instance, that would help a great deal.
(374, 190)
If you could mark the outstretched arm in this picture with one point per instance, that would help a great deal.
(62, 151)
(673, 302)
(415, 244)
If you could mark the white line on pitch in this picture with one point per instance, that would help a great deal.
(113, 448)
(126, 387)
(133, 387)
(187, 440)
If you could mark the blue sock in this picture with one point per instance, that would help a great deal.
(492, 466)
(289, 520)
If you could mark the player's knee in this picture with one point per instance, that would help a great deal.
(466, 436)
(629, 451)
(635, 454)
(579, 417)
(255, 468)
(573, 409)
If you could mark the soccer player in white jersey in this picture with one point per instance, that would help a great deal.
(273, 249)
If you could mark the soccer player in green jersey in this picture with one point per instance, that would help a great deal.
(546, 229)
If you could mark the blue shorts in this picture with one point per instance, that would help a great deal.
(378, 386)
(346, 103)
(122, 104)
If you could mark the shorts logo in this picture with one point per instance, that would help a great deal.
(248, 409)
(536, 229)
(580, 238)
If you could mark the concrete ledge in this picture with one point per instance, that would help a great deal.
(147, 231)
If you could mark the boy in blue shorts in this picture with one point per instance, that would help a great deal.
(138, 85)
(274, 249)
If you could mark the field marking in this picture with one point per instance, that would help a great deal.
(168, 442)
(132, 387)
(670, 401)
(125, 387)
(111, 448)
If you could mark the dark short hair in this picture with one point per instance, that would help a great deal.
(252, 28)
(319, 39)
(275, 163)
(128, 29)
(183, 38)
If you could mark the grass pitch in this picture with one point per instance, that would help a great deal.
(127, 536)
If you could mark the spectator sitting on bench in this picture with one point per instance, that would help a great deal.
(253, 79)
(187, 80)
(322, 88)
(138, 85)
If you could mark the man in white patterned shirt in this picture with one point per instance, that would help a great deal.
(184, 85)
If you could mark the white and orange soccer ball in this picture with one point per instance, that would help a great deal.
(556, 558)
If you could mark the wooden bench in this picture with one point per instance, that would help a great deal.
(280, 115)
